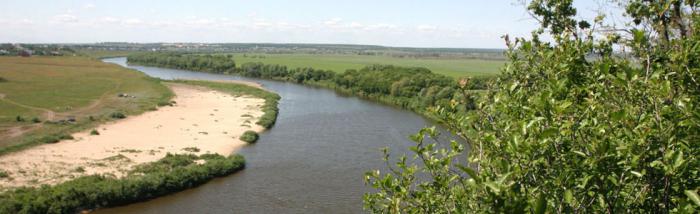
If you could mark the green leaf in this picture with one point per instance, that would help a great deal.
(549, 132)
(693, 196)
(565, 105)
(470, 172)
(569, 196)
(541, 205)
(617, 115)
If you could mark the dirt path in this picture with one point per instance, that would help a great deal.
(51, 115)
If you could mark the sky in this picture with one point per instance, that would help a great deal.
(399, 23)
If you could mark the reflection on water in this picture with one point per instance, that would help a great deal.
(311, 161)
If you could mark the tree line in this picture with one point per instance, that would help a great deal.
(413, 88)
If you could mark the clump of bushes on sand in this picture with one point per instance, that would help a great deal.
(94, 132)
(171, 174)
(249, 137)
(117, 115)
(55, 138)
(4, 174)
(3, 79)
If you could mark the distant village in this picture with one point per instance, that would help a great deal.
(28, 50)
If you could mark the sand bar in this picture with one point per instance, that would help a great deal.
(202, 118)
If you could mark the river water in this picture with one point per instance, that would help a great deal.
(311, 161)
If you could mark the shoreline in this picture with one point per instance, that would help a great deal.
(196, 118)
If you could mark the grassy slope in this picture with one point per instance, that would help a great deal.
(68, 86)
(339, 63)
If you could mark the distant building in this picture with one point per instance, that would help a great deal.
(26, 53)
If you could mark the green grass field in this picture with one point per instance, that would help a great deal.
(339, 63)
(58, 88)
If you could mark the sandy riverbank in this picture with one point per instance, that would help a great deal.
(207, 120)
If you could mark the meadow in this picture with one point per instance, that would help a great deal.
(52, 96)
(453, 67)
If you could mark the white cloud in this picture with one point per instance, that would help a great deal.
(89, 6)
(132, 22)
(333, 22)
(109, 19)
(356, 25)
(65, 18)
(426, 28)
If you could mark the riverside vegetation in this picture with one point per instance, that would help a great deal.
(569, 126)
(170, 174)
(412, 88)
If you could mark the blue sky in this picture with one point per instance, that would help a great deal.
(411, 23)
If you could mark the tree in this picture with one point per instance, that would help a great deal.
(570, 125)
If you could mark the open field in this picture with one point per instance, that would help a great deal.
(67, 94)
(339, 63)
(202, 121)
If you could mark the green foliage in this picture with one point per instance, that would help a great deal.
(3, 79)
(208, 63)
(55, 138)
(117, 115)
(171, 174)
(94, 132)
(249, 137)
(412, 88)
(36, 120)
(19, 119)
(570, 126)
(4, 174)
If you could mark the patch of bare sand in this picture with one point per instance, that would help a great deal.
(208, 120)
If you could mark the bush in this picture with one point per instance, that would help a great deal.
(94, 132)
(570, 126)
(117, 115)
(249, 137)
(171, 174)
(3, 79)
(19, 119)
(36, 120)
(4, 174)
(55, 138)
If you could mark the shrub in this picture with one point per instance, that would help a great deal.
(36, 120)
(570, 126)
(55, 138)
(117, 115)
(19, 118)
(79, 169)
(3, 79)
(249, 137)
(171, 174)
(4, 174)
(191, 149)
(94, 132)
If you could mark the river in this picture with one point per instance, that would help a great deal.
(311, 161)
